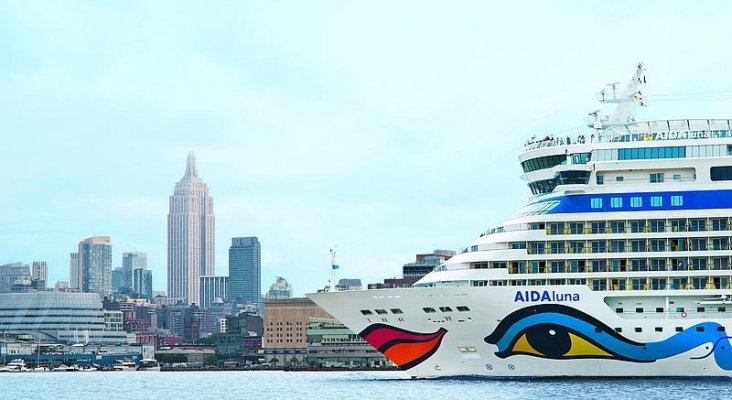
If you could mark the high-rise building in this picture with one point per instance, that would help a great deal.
(14, 277)
(95, 265)
(245, 271)
(130, 262)
(213, 288)
(142, 282)
(40, 270)
(74, 273)
(190, 236)
(281, 289)
(39, 273)
(118, 278)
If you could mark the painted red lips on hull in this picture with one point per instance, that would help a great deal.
(404, 348)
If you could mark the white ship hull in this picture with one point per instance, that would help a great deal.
(619, 265)
(464, 350)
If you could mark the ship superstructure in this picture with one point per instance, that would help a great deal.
(618, 266)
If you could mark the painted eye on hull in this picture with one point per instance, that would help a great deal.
(558, 332)
(555, 342)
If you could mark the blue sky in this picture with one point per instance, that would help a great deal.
(386, 128)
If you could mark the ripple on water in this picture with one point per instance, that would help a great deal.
(341, 386)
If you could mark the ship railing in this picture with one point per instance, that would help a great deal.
(657, 130)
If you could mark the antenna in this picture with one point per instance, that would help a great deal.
(333, 268)
(614, 86)
(624, 112)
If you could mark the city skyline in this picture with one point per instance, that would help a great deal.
(385, 142)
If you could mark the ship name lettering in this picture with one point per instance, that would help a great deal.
(675, 135)
(546, 295)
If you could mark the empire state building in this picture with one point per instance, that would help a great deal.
(190, 236)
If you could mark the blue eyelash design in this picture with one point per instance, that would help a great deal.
(617, 346)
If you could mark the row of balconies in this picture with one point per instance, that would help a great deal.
(627, 268)
(638, 229)
(629, 283)
(642, 229)
(655, 246)
(621, 226)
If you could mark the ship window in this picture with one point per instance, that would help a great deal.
(638, 310)
(581, 158)
(659, 309)
(651, 153)
(619, 310)
(366, 312)
(721, 309)
(543, 162)
(656, 177)
(636, 202)
(616, 202)
(700, 309)
(659, 329)
(543, 186)
(429, 310)
(474, 248)
(638, 329)
(677, 177)
(445, 309)
(700, 329)
(720, 329)
(679, 329)
(396, 311)
(598, 330)
(721, 173)
(572, 177)
(596, 203)
(600, 179)
(463, 308)
(380, 311)
(618, 330)
(677, 201)
(679, 309)
(656, 201)
(619, 179)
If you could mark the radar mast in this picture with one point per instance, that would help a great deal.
(624, 111)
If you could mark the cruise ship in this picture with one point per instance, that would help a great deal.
(618, 266)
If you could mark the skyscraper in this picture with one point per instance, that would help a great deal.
(245, 271)
(95, 265)
(213, 288)
(130, 262)
(281, 289)
(190, 236)
(39, 273)
(74, 273)
(142, 282)
(118, 280)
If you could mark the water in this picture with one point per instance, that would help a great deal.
(340, 385)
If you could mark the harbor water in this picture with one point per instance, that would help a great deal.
(340, 386)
